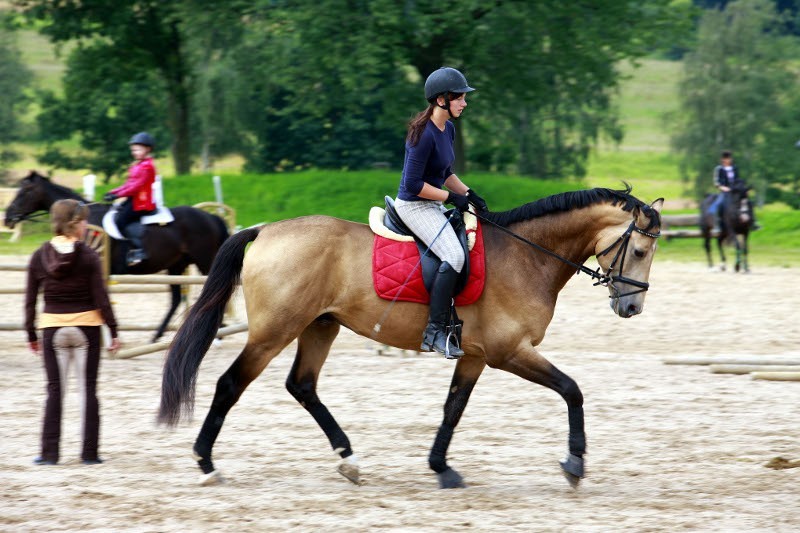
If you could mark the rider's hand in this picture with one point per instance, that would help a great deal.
(109, 197)
(34, 347)
(723, 188)
(458, 200)
(477, 201)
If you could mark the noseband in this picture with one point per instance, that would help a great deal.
(622, 251)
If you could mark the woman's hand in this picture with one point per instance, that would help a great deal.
(477, 201)
(459, 200)
(35, 348)
(115, 345)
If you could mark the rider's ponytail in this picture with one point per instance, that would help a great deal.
(417, 125)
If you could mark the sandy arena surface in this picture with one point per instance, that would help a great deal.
(670, 447)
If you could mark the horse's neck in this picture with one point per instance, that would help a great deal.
(571, 235)
(54, 192)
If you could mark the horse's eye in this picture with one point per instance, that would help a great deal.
(638, 253)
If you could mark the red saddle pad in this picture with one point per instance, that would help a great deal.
(393, 262)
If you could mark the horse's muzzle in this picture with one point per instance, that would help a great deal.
(624, 308)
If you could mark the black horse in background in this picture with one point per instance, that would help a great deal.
(735, 222)
(193, 238)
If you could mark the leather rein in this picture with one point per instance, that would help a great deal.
(603, 278)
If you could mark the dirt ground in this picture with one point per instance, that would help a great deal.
(670, 447)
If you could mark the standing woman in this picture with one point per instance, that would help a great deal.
(138, 188)
(427, 168)
(75, 306)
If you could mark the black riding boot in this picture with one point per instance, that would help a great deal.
(435, 336)
(134, 234)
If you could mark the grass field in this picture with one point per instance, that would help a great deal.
(349, 195)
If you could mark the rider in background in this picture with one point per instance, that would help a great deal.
(138, 188)
(427, 167)
(726, 176)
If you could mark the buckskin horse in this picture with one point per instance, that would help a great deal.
(305, 278)
(193, 238)
(736, 219)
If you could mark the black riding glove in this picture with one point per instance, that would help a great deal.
(109, 197)
(459, 200)
(477, 201)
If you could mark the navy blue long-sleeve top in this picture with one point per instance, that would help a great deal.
(430, 161)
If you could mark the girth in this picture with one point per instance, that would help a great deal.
(429, 262)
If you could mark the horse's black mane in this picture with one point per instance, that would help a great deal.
(567, 201)
(61, 189)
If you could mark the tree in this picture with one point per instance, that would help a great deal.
(146, 33)
(14, 79)
(733, 90)
(106, 99)
(334, 82)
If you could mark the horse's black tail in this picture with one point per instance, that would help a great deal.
(198, 330)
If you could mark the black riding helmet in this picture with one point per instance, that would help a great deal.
(143, 138)
(445, 81)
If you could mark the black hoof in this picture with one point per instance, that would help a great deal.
(572, 467)
(205, 463)
(450, 479)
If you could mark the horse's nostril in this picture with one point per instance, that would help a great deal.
(632, 310)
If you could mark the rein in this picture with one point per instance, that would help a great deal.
(32, 216)
(44, 213)
(603, 278)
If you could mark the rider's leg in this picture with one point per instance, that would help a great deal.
(134, 232)
(435, 337)
(714, 209)
(428, 222)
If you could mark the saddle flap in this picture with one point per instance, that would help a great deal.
(393, 220)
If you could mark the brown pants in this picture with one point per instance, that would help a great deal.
(61, 347)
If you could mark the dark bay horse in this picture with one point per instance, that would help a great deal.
(735, 222)
(193, 238)
(305, 278)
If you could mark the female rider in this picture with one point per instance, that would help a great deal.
(427, 167)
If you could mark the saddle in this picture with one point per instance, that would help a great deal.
(397, 251)
(430, 263)
(161, 217)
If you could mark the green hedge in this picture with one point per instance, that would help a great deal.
(349, 195)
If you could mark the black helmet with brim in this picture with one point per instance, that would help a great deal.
(143, 138)
(445, 80)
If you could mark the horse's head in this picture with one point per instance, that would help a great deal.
(32, 196)
(625, 253)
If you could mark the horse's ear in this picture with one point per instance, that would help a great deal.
(657, 205)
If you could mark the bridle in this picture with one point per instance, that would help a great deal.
(603, 278)
(622, 251)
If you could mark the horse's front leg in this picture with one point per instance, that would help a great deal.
(529, 364)
(468, 370)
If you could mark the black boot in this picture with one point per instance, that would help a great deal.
(134, 234)
(435, 336)
(136, 256)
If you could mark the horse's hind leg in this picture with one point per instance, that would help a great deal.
(251, 362)
(710, 259)
(313, 346)
(175, 300)
(529, 364)
(468, 370)
(721, 247)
